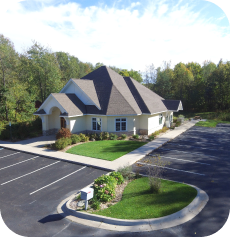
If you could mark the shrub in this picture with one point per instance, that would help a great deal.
(113, 136)
(117, 176)
(92, 136)
(123, 136)
(82, 137)
(104, 188)
(136, 136)
(99, 136)
(62, 143)
(95, 203)
(155, 173)
(105, 135)
(126, 172)
(181, 116)
(178, 123)
(63, 132)
(75, 138)
(151, 137)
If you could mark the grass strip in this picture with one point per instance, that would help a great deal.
(138, 202)
(106, 150)
(210, 123)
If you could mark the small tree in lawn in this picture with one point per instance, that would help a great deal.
(155, 171)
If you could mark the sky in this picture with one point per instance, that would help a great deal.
(126, 34)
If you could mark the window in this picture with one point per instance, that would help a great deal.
(96, 124)
(120, 124)
(160, 119)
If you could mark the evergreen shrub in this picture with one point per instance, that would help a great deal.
(75, 138)
(62, 143)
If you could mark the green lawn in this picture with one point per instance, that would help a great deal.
(210, 123)
(139, 203)
(106, 150)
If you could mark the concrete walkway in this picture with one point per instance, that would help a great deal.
(36, 146)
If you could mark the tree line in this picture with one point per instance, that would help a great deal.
(200, 88)
(38, 71)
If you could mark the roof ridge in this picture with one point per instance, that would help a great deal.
(120, 92)
(138, 93)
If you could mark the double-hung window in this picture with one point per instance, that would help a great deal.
(121, 124)
(160, 118)
(96, 124)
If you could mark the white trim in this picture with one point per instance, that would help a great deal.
(160, 117)
(156, 112)
(71, 116)
(71, 80)
(114, 115)
(120, 124)
(96, 123)
(56, 106)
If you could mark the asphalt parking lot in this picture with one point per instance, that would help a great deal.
(200, 156)
(32, 186)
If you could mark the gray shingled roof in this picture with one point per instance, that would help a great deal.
(113, 93)
(148, 101)
(70, 103)
(41, 111)
(88, 87)
(172, 104)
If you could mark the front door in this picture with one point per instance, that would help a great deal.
(63, 123)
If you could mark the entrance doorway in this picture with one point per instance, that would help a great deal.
(63, 123)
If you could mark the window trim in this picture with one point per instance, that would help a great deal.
(96, 123)
(160, 119)
(120, 124)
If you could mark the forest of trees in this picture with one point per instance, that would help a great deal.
(34, 74)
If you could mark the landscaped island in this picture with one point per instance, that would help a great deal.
(137, 200)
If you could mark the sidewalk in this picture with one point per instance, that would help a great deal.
(36, 146)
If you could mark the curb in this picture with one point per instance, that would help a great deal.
(102, 222)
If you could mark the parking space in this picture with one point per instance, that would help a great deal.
(32, 186)
(195, 155)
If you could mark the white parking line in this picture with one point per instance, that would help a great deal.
(57, 180)
(9, 155)
(19, 163)
(172, 169)
(197, 153)
(199, 147)
(185, 160)
(30, 173)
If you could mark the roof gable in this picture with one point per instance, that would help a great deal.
(173, 105)
(84, 90)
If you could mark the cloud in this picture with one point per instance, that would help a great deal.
(131, 37)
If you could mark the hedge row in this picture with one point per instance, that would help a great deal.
(21, 130)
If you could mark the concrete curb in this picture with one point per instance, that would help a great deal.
(108, 223)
